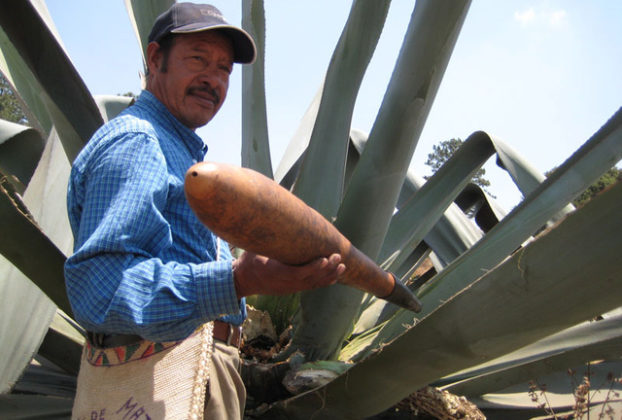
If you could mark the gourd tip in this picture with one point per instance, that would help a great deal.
(402, 296)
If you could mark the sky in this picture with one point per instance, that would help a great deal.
(541, 75)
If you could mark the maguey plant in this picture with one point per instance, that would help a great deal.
(510, 297)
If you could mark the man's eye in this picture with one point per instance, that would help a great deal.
(195, 63)
(194, 59)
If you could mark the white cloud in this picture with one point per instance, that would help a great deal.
(526, 16)
(557, 17)
(531, 16)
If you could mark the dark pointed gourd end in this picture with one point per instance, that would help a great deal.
(403, 296)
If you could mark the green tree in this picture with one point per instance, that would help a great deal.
(10, 108)
(442, 152)
(609, 178)
(445, 150)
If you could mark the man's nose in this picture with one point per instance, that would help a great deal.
(212, 77)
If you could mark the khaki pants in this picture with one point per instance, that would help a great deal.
(158, 381)
(227, 395)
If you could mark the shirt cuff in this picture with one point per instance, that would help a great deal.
(216, 290)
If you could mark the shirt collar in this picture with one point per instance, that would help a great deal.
(193, 142)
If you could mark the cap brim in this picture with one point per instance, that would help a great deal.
(244, 49)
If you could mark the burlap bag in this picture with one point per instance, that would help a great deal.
(146, 380)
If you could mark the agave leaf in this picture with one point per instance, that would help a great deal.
(282, 308)
(45, 198)
(289, 167)
(16, 406)
(525, 176)
(26, 314)
(71, 105)
(487, 212)
(376, 311)
(20, 150)
(27, 89)
(321, 177)
(597, 155)
(23, 238)
(21, 147)
(26, 309)
(415, 257)
(517, 303)
(453, 234)
(255, 144)
(43, 378)
(450, 236)
(320, 181)
(594, 340)
(515, 402)
(111, 105)
(62, 345)
(412, 221)
(287, 171)
(142, 15)
(422, 210)
(416, 218)
(376, 181)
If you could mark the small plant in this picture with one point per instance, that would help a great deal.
(536, 391)
(581, 393)
(582, 396)
(607, 410)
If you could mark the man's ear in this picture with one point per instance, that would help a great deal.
(154, 57)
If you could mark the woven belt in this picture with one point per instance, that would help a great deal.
(228, 333)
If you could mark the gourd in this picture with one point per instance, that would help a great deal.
(253, 212)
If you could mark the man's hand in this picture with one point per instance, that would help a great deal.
(255, 274)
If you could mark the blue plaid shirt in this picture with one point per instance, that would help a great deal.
(143, 263)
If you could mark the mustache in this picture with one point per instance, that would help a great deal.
(205, 89)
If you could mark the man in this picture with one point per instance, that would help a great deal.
(146, 276)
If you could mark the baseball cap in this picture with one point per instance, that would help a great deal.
(183, 18)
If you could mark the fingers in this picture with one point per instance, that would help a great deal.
(323, 272)
(336, 259)
(326, 266)
(333, 262)
(256, 274)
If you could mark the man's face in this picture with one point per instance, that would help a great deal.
(193, 82)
